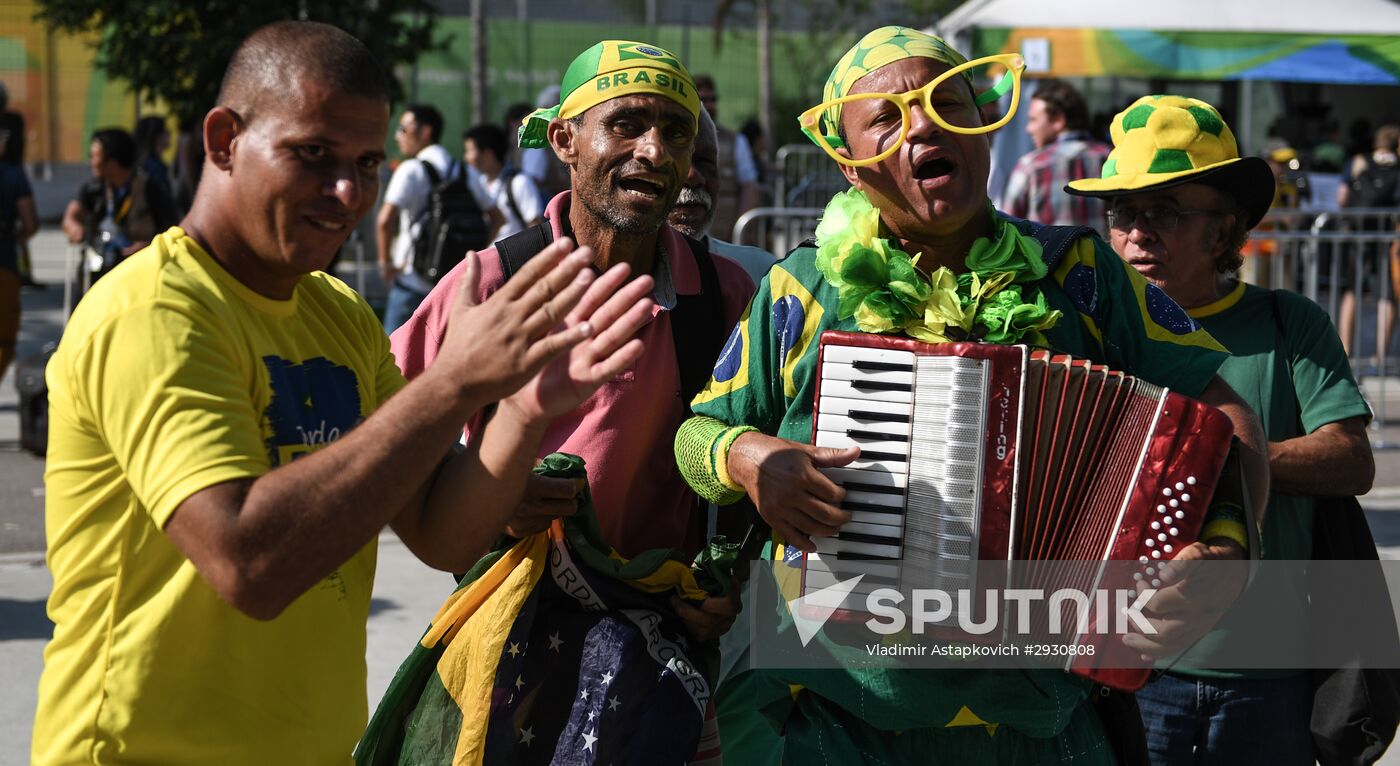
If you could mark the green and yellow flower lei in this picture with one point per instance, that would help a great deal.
(881, 286)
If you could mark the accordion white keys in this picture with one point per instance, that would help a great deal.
(977, 453)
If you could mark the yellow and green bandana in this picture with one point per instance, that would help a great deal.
(877, 49)
(612, 69)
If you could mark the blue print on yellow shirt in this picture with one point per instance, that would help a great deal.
(313, 404)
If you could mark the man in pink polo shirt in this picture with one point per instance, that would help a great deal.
(626, 129)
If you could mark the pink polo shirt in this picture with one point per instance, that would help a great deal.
(626, 430)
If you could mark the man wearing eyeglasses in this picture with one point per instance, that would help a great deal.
(907, 126)
(1181, 226)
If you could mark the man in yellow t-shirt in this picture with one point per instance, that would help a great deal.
(224, 449)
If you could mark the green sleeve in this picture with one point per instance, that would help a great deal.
(696, 443)
(1322, 378)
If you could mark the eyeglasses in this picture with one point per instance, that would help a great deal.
(952, 112)
(1157, 217)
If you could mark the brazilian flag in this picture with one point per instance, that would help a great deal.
(556, 650)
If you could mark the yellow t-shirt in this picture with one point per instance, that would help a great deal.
(173, 376)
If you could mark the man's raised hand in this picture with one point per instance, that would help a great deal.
(493, 348)
(616, 309)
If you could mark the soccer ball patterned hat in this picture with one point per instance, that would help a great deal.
(1165, 141)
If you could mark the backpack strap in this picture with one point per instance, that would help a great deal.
(521, 246)
(697, 326)
(433, 176)
(698, 334)
(507, 178)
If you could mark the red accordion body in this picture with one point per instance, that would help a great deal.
(984, 453)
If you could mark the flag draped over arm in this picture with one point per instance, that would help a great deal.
(556, 650)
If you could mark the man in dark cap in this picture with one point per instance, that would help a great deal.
(1181, 203)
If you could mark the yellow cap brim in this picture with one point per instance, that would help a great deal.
(1248, 179)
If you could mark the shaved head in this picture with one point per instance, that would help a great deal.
(274, 58)
(302, 118)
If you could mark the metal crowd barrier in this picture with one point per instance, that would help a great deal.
(806, 177)
(776, 229)
(1347, 261)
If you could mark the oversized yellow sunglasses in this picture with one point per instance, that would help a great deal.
(964, 119)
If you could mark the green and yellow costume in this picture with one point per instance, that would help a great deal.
(1071, 288)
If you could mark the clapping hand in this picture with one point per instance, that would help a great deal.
(495, 347)
(609, 314)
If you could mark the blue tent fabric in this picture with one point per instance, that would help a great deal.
(1331, 62)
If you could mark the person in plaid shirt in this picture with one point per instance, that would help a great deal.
(1064, 152)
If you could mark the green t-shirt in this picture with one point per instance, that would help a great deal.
(1320, 390)
(765, 378)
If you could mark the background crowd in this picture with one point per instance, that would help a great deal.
(1180, 232)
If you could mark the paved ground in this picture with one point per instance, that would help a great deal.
(406, 592)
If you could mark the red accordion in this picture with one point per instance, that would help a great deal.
(984, 453)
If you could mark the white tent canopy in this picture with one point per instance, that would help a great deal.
(1340, 17)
